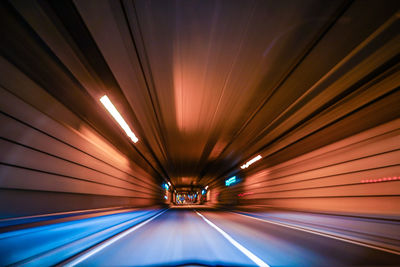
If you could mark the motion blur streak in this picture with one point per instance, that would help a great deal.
(205, 236)
(117, 116)
(245, 251)
(52, 242)
(323, 234)
(286, 111)
(177, 237)
(109, 242)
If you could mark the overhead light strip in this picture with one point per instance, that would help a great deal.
(247, 164)
(117, 116)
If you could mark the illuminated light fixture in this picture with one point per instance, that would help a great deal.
(206, 187)
(247, 164)
(166, 197)
(380, 180)
(230, 181)
(166, 186)
(114, 112)
(203, 191)
(169, 183)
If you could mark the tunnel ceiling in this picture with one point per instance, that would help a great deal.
(206, 85)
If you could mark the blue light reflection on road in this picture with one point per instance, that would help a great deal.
(22, 244)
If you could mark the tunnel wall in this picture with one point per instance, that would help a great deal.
(51, 161)
(357, 175)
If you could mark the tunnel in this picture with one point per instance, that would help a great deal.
(200, 133)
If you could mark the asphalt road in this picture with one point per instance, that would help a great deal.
(190, 238)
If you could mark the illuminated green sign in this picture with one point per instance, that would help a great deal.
(230, 181)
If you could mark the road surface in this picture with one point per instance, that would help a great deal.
(204, 237)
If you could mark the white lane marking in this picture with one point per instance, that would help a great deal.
(323, 234)
(244, 250)
(110, 241)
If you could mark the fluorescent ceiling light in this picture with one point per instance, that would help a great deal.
(114, 112)
(244, 166)
(206, 187)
